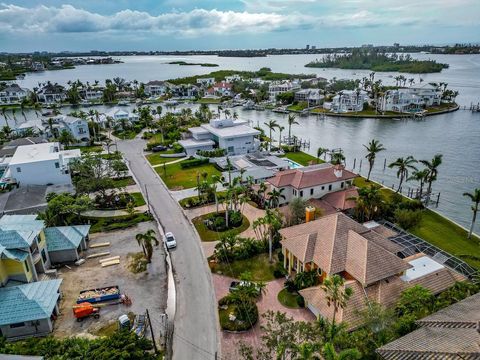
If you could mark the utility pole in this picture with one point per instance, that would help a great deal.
(151, 332)
(147, 198)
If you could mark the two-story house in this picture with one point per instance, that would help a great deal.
(348, 101)
(311, 182)
(156, 88)
(13, 94)
(77, 127)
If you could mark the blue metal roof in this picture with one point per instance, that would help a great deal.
(12, 254)
(15, 239)
(21, 222)
(28, 302)
(65, 237)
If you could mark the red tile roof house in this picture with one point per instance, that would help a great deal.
(221, 89)
(366, 259)
(312, 182)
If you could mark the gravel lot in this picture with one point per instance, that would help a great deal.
(147, 290)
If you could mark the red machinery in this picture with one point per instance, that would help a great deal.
(84, 310)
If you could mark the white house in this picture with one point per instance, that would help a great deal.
(40, 164)
(52, 93)
(279, 87)
(156, 88)
(430, 95)
(232, 78)
(311, 182)
(401, 100)
(89, 93)
(205, 81)
(232, 135)
(348, 101)
(13, 94)
(311, 96)
(77, 127)
(117, 116)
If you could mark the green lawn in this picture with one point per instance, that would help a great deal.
(301, 157)
(87, 149)
(116, 223)
(156, 158)
(288, 299)
(177, 178)
(120, 183)
(125, 135)
(258, 266)
(450, 237)
(298, 107)
(210, 235)
(208, 101)
(138, 199)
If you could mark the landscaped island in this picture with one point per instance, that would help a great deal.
(378, 61)
(184, 63)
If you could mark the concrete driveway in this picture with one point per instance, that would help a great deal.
(196, 318)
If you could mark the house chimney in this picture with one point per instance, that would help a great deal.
(338, 170)
(309, 213)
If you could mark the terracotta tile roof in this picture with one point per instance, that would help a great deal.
(438, 281)
(385, 232)
(382, 241)
(342, 200)
(310, 176)
(325, 207)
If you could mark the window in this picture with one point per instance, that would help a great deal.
(323, 187)
(26, 266)
(294, 192)
(19, 169)
(329, 187)
(44, 255)
(17, 325)
(301, 193)
(342, 184)
(57, 165)
(311, 191)
(81, 130)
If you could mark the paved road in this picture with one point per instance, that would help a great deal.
(196, 322)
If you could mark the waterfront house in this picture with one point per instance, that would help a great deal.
(311, 96)
(235, 136)
(205, 81)
(232, 78)
(311, 182)
(31, 127)
(156, 88)
(28, 310)
(40, 164)
(401, 100)
(188, 92)
(348, 101)
(91, 93)
(52, 93)
(221, 89)
(77, 127)
(117, 116)
(13, 94)
(450, 333)
(279, 87)
(364, 257)
(430, 95)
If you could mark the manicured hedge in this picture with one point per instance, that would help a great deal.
(186, 164)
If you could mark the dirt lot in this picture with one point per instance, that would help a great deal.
(148, 290)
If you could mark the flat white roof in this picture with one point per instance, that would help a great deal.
(41, 152)
(421, 266)
(198, 130)
(192, 143)
(231, 131)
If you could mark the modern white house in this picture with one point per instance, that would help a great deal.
(311, 182)
(91, 94)
(311, 96)
(235, 136)
(205, 81)
(279, 87)
(232, 78)
(348, 101)
(401, 100)
(40, 164)
(77, 127)
(52, 93)
(156, 88)
(430, 95)
(13, 94)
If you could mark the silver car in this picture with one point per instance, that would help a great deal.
(170, 241)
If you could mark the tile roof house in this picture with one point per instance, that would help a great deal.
(451, 333)
(28, 309)
(336, 244)
(313, 181)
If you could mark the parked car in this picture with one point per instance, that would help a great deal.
(170, 241)
(159, 148)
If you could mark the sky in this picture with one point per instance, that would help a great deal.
(51, 25)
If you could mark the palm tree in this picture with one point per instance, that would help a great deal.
(280, 129)
(336, 293)
(216, 180)
(368, 203)
(271, 124)
(337, 158)
(321, 151)
(373, 148)
(307, 351)
(4, 114)
(291, 121)
(146, 240)
(275, 196)
(329, 353)
(475, 197)
(403, 165)
(432, 168)
(420, 176)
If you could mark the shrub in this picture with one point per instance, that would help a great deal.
(212, 153)
(300, 301)
(177, 148)
(306, 279)
(186, 164)
(217, 222)
(246, 314)
(408, 219)
(279, 271)
(291, 285)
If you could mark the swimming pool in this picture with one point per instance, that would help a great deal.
(292, 164)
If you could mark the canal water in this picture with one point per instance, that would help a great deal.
(455, 135)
